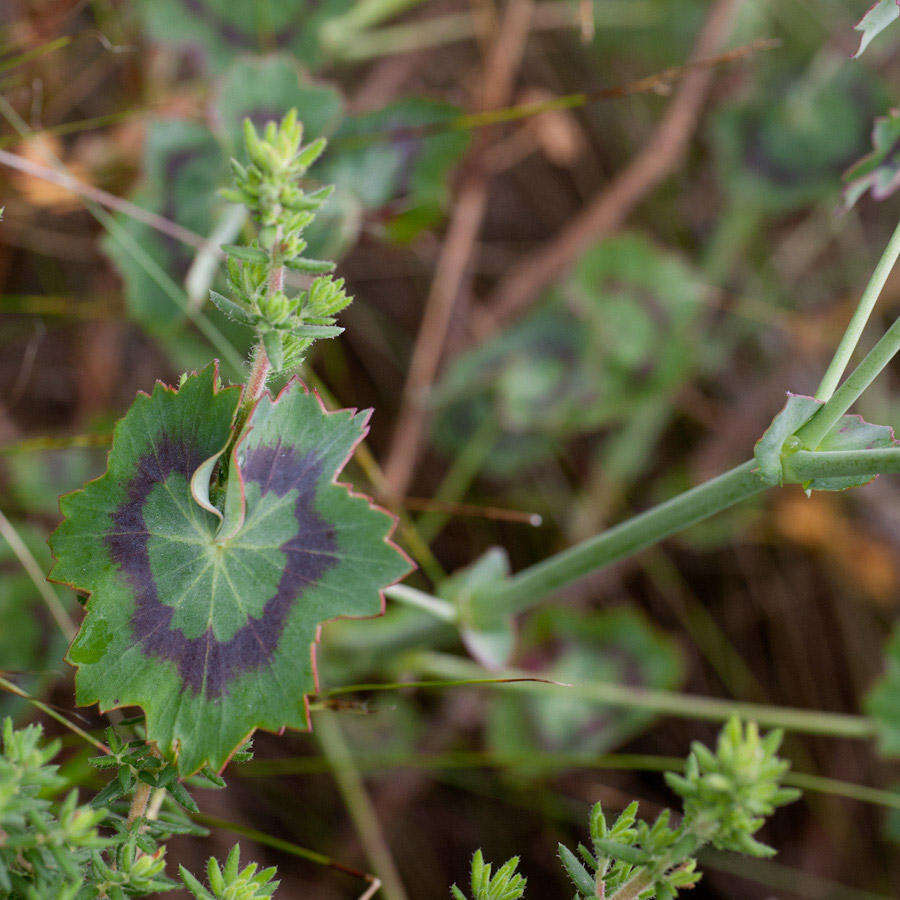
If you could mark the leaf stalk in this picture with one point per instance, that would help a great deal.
(529, 587)
(844, 352)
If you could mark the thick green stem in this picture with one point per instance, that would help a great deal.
(844, 352)
(814, 431)
(807, 465)
(529, 587)
(442, 665)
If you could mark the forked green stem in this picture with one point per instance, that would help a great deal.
(528, 588)
(844, 352)
(531, 586)
(813, 432)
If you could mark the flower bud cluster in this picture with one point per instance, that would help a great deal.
(728, 794)
(268, 185)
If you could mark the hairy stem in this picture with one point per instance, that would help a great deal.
(839, 362)
(138, 803)
(262, 367)
(157, 798)
(634, 886)
(530, 587)
(814, 431)
(259, 373)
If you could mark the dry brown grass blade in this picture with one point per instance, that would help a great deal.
(609, 208)
(465, 223)
(81, 189)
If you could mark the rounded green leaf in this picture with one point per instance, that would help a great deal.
(211, 629)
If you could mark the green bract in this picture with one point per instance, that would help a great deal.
(43, 843)
(728, 794)
(852, 432)
(207, 619)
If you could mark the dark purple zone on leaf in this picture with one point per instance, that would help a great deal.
(206, 664)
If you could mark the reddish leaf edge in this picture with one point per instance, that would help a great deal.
(388, 538)
(857, 416)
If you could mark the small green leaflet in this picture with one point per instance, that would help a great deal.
(488, 634)
(875, 21)
(880, 170)
(209, 625)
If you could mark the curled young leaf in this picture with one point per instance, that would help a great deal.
(210, 626)
(875, 21)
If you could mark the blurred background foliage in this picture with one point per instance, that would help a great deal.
(654, 361)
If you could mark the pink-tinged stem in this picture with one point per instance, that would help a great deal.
(256, 383)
